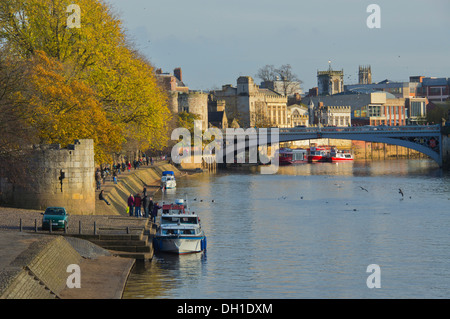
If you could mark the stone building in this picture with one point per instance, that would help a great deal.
(329, 115)
(330, 82)
(173, 85)
(180, 98)
(298, 115)
(195, 102)
(253, 106)
(376, 108)
(335, 115)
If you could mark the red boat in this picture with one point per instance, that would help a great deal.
(319, 154)
(289, 156)
(340, 156)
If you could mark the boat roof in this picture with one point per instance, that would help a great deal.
(180, 215)
(289, 151)
(173, 206)
(168, 173)
(180, 226)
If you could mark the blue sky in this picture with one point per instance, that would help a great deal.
(216, 41)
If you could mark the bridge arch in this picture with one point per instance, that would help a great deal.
(424, 139)
(388, 140)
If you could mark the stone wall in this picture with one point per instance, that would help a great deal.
(75, 192)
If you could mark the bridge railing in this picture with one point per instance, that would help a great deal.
(407, 128)
(350, 129)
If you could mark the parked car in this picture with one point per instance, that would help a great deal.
(57, 216)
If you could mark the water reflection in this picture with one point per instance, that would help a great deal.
(310, 231)
(164, 273)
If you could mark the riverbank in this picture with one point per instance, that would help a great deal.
(36, 267)
(33, 263)
(133, 182)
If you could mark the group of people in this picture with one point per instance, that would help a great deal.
(143, 206)
(102, 173)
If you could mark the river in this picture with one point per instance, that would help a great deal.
(311, 231)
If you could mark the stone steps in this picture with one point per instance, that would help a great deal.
(135, 245)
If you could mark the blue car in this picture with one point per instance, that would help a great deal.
(57, 216)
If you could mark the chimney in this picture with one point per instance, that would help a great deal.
(178, 75)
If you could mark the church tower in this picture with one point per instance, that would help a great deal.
(330, 82)
(365, 75)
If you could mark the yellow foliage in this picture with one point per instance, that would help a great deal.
(64, 110)
(88, 74)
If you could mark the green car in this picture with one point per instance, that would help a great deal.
(57, 216)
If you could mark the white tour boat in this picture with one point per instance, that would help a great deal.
(179, 230)
(340, 155)
(168, 180)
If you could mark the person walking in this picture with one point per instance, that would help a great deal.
(129, 167)
(150, 205)
(145, 205)
(130, 204)
(98, 177)
(102, 197)
(155, 211)
(137, 205)
(115, 177)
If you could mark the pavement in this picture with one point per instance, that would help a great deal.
(103, 276)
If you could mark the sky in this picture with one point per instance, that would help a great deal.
(216, 41)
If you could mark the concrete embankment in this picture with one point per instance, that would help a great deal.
(36, 267)
(131, 182)
(33, 264)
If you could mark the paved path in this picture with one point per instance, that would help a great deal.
(103, 276)
(10, 219)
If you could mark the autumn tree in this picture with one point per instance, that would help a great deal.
(64, 110)
(97, 63)
(15, 132)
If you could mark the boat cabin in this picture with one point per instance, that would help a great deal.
(180, 230)
(176, 220)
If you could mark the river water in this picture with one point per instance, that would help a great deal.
(311, 231)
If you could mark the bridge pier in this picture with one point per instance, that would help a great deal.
(446, 150)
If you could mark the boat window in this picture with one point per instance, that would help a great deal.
(175, 220)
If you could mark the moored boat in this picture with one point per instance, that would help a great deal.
(168, 180)
(179, 230)
(289, 156)
(318, 154)
(340, 155)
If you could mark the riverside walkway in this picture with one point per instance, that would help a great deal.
(35, 267)
(33, 262)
